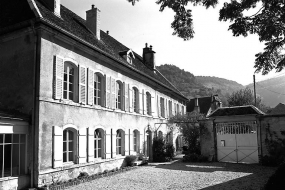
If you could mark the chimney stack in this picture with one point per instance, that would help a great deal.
(53, 5)
(149, 57)
(93, 21)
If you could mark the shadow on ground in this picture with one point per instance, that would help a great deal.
(236, 176)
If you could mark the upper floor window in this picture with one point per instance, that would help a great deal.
(148, 103)
(69, 145)
(98, 88)
(98, 142)
(69, 81)
(135, 100)
(162, 109)
(119, 90)
(177, 108)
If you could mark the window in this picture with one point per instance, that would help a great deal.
(119, 95)
(177, 108)
(98, 84)
(68, 82)
(12, 155)
(162, 107)
(98, 142)
(136, 139)
(69, 145)
(135, 100)
(119, 142)
(148, 103)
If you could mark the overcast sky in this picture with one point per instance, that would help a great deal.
(213, 51)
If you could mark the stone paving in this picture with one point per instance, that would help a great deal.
(180, 175)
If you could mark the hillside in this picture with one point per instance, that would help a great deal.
(191, 86)
(271, 90)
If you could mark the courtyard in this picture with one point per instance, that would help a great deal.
(180, 175)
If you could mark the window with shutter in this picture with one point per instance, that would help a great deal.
(98, 88)
(69, 81)
(135, 103)
(82, 84)
(119, 96)
(57, 147)
(148, 103)
(69, 145)
(58, 77)
(98, 143)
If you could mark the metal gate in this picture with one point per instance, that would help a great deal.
(237, 142)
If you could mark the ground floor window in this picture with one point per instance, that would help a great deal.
(68, 145)
(119, 142)
(98, 144)
(12, 155)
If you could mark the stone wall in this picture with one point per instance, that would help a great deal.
(207, 139)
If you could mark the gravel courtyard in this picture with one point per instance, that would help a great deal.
(180, 175)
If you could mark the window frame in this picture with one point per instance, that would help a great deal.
(119, 143)
(162, 107)
(74, 148)
(67, 65)
(135, 100)
(98, 140)
(148, 103)
(98, 98)
(119, 95)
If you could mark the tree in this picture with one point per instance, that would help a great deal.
(268, 22)
(246, 97)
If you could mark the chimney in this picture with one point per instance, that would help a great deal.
(93, 20)
(196, 107)
(53, 5)
(149, 57)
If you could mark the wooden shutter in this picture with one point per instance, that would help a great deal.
(141, 140)
(131, 99)
(144, 102)
(90, 86)
(158, 106)
(108, 92)
(127, 102)
(114, 143)
(131, 143)
(127, 142)
(103, 91)
(123, 97)
(108, 144)
(140, 101)
(58, 77)
(82, 84)
(82, 146)
(152, 105)
(113, 93)
(57, 147)
(90, 145)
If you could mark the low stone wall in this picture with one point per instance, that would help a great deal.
(15, 182)
(65, 174)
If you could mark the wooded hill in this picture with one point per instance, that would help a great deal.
(198, 86)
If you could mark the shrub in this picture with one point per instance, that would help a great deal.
(169, 151)
(130, 160)
(83, 175)
(158, 150)
(277, 180)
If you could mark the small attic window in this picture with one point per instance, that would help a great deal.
(128, 56)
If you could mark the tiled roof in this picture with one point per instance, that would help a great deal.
(75, 25)
(237, 110)
(203, 102)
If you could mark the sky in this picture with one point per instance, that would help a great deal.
(213, 51)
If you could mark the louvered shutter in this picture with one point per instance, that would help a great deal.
(57, 147)
(58, 77)
(82, 84)
(165, 108)
(152, 105)
(131, 99)
(141, 142)
(108, 144)
(140, 101)
(144, 102)
(103, 93)
(124, 97)
(158, 106)
(90, 86)
(113, 93)
(114, 143)
(108, 92)
(82, 146)
(90, 145)
(127, 143)
(131, 142)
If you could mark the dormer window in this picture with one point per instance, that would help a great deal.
(128, 55)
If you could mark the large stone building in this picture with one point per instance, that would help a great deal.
(78, 99)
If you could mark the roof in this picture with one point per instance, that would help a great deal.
(203, 102)
(236, 110)
(75, 25)
(279, 109)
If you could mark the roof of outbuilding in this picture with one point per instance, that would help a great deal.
(75, 25)
(236, 110)
(203, 102)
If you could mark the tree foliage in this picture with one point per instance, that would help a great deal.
(246, 97)
(268, 22)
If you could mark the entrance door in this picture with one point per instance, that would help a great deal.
(237, 142)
